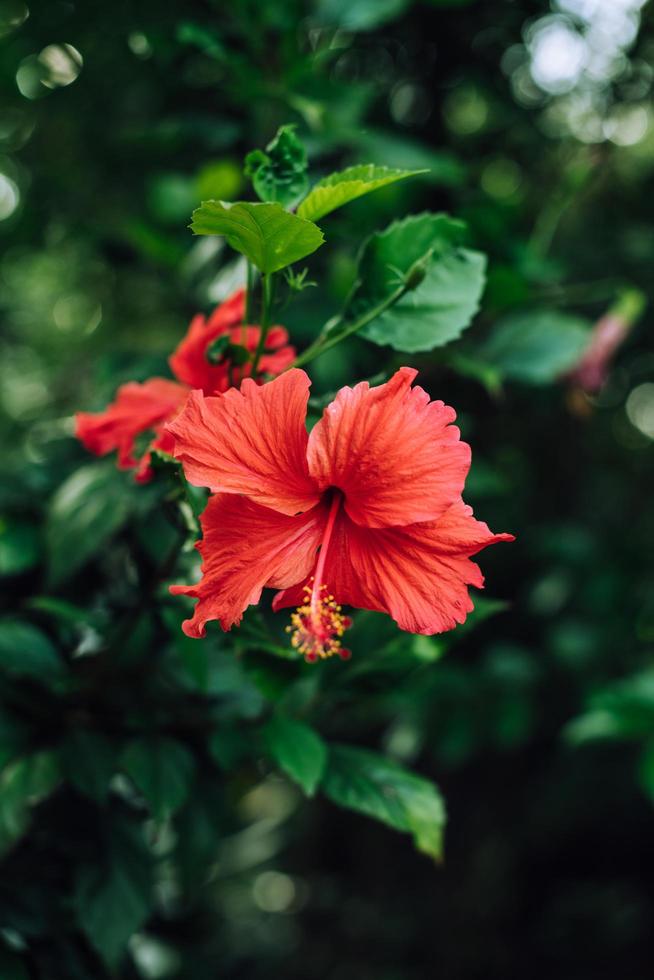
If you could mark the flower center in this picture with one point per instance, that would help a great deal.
(318, 624)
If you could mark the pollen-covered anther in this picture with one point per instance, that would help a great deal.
(318, 625)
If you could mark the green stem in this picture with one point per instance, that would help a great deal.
(322, 344)
(131, 620)
(249, 302)
(264, 326)
(249, 293)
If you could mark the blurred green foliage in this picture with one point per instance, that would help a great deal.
(153, 822)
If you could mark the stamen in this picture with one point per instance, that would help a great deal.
(318, 624)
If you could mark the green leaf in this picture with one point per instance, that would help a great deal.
(22, 785)
(14, 736)
(12, 966)
(298, 751)
(89, 761)
(279, 173)
(25, 650)
(442, 306)
(87, 509)
(228, 748)
(113, 896)
(111, 908)
(484, 609)
(19, 547)
(198, 835)
(646, 769)
(622, 710)
(162, 769)
(536, 346)
(266, 234)
(360, 15)
(339, 188)
(60, 610)
(371, 784)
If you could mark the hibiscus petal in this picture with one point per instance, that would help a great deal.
(137, 408)
(250, 441)
(340, 577)
(418, 574)
(189, 362)
(391, 451)
(244, 548)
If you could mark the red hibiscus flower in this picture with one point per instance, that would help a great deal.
(140, 408)
(365, 511)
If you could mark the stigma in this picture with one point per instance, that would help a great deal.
(318, 625)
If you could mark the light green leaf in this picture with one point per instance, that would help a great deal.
(442, 306)
(371, 784)
(279, 173)
(90, 506)
(270, 237)
(297, 750)
(25, 650)
(23, 784)
(162, 769)
(339, 188)
(536, 346)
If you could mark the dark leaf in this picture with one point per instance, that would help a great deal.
(25, 650)
(297, 749)
(162, 769)
(371, 784)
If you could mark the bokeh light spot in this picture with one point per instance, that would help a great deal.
(558, 54)
(501, 178)
(640, 409)
(62, 64)
(627, 125)
(273, 891)
(9, 197)
(465, 110)
(139, 45)
(56, 66)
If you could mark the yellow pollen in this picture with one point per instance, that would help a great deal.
(317, 626)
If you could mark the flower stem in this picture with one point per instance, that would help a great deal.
(264, 327)
(324, 343)
(249, 293)
(249, 302)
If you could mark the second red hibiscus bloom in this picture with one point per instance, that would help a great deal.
(145, 407)
(365, 511)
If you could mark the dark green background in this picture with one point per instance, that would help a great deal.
(549, 861)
